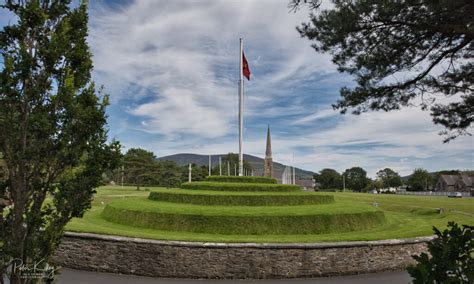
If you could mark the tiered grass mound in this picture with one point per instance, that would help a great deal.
(242, 206)
(239, 198)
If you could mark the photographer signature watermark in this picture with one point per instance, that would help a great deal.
(37, 270)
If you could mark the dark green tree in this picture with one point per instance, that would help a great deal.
(420, 180)
(140, 167)
(449, 259)
(52, 127)
(329, 179)
(233, 160)
(389, 178)
(169, 174)
(401, 53)
(356, 178)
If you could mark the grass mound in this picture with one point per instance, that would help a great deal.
(239, 186)
(245, 179)
(200, 197)
(243, 220)
(405, 217)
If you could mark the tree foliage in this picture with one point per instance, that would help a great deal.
(140, 167)
(420, 180)
(356, 178)
(449, 259)
(401, 53)
(52, 127)
(329, 179)
(389, 178)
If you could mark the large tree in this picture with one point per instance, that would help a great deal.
(329, 179)
(401, 53)
(140, 167)
(389, 178)
(420, 180)
(52, 127)
(356, 178)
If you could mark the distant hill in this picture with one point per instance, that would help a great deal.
(256, 162)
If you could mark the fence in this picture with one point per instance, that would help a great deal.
(432, 193)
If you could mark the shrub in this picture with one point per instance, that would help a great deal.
(227, 186)
(245, 179)
(266, 199)
(451, 257)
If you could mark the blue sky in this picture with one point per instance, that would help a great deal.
(171, 70)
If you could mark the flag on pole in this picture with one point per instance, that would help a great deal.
(245, 67)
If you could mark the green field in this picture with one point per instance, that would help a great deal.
(405, 216)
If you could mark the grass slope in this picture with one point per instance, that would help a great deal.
(239, 186)
(200, 197)
(140, 212)
(401, 213)
(247, 179)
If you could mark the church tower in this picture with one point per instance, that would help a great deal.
(268, 165)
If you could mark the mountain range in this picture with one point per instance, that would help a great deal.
(183, 159)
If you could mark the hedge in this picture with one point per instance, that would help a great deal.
(264, 199)
(245, 225)
(244, 179)
(239, 186)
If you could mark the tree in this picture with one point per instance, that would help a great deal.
(52, 127)
(233, 160)
(401, 53)
(329, 179)
(373, 184)
(356, 178)
(449, 259)
(169, 174)
(389, 178)
(420, 180)
(140, 167)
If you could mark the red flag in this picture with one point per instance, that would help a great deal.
(245, 67)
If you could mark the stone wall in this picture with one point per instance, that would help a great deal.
(225, 260)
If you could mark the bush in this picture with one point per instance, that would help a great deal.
(265, 199)
(245, 179)
(227, 186)
(450, 257)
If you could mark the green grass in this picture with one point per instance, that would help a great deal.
(200, 197)
(401, 213)
(239, 186)
(140, 212)
(245, 179)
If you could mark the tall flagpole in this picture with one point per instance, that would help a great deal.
(241, 111)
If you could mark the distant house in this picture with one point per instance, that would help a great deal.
(306, 184)
(463, 183)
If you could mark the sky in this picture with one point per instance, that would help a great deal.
(171, 69)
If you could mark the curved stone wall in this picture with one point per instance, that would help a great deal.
(227, 260)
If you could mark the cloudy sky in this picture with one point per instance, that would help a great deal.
(171, 69)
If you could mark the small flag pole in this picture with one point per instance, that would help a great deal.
(241, 110)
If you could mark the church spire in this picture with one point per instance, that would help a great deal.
(268, 151)
(268, 164)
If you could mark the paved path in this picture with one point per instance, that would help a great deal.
(71, 276)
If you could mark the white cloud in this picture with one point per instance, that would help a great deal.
(176, 64)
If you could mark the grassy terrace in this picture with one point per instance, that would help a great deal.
(268, 220)
(202, 197)
(405, 216)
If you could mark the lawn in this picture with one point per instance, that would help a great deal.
(405, 216)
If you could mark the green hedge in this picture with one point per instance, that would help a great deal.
(264, 199)
(245, 179)
(245, 225)
(239, 186)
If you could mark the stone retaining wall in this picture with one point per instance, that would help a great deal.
(227, 260)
